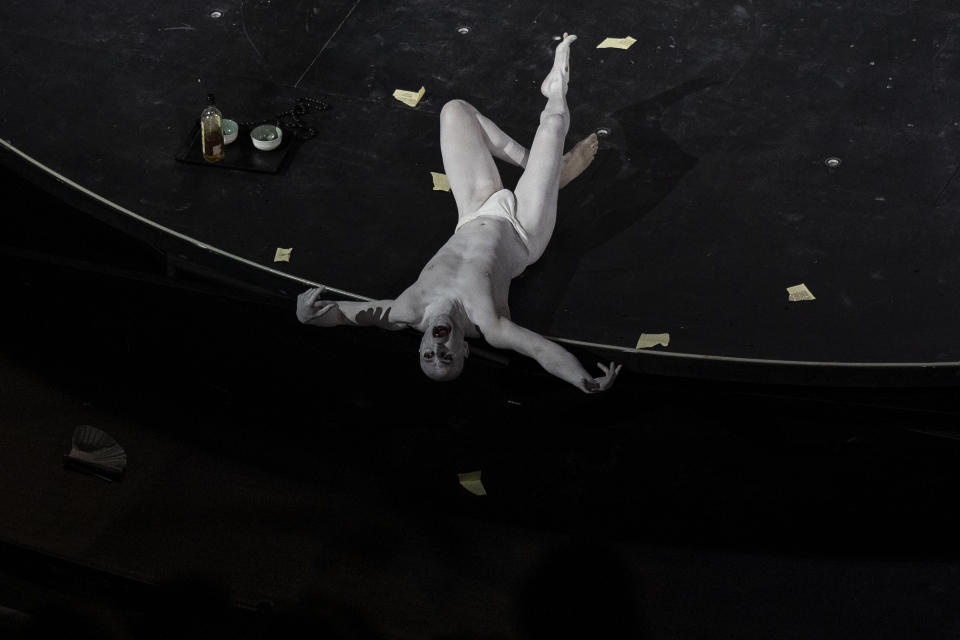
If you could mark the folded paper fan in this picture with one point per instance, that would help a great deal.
(96, 452)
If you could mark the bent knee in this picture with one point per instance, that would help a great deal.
(557, 123)
(456, 108)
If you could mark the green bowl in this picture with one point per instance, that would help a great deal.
(230, 130)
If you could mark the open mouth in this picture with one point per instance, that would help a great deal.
(441, 331)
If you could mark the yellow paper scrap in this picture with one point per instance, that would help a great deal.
(648, 340)
(617, 43)
(440, 181)
(282, 255)
(798, 293)
(471, 482)
(410, 98)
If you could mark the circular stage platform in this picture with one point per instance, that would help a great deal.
(749, 150)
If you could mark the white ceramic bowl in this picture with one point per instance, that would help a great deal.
(230, 130)
(266, 137)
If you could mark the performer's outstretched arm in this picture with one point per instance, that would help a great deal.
(505, 334)
(330, 313)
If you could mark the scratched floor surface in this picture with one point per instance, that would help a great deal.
(751, 147)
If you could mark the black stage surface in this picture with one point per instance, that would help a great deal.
(781, 470)
(710, 195)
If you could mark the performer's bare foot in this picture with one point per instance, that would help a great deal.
(555, 84)
(578, 159)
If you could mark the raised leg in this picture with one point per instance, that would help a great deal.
(469, 141)
(537, 189)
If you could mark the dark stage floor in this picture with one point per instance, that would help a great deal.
(711, 195)
(780, 470)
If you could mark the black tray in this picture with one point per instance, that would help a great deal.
(240, 154)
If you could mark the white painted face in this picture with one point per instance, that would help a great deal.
(443, 349)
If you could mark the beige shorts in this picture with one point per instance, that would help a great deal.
(502, 204)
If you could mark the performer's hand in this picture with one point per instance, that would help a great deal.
(605, 381)
(373, 316)
(312, 310)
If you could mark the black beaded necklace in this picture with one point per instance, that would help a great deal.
(291, 119)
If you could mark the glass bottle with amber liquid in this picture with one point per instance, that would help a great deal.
(211, 132)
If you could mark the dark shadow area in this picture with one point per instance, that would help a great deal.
(813, 475)
(585, 590)
(641, 170)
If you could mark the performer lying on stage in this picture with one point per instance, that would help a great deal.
(462, 292)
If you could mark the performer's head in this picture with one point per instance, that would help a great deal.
(443, 349)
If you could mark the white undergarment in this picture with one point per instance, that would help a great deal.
(502, 204)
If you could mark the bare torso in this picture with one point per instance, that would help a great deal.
(474, 267)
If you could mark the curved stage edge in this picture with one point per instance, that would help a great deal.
(188, 254)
